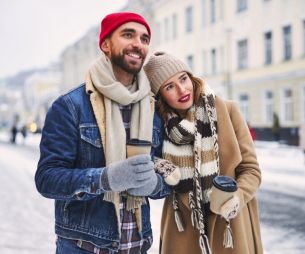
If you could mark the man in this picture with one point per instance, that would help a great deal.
(99, 204)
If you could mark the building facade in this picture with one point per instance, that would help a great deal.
(252, 51)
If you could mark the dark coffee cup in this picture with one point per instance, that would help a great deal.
(223, 189)
(137, 146)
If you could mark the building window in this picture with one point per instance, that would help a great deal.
(174, 26)
(212, 11)
(203, 12)
(268, 48)
(242, 51)
(213, 61)
(287, 42)
(304, 37)
(189, 61)
(166, 30)
(303, 104)
(189, 19)
(221, 11)
(204, 63)
(244, 105)
(242, 5)
(287, 105)
(268, 106)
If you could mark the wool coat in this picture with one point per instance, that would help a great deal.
(238, 160)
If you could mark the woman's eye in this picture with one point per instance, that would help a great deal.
(169, 87)
(184, 79)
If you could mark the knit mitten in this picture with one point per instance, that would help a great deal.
(168, 171)
(133, 172)
(230, 208)
(151, 188)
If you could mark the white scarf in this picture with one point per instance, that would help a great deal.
(114, 139)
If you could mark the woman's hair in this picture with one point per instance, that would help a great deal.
(164, 109)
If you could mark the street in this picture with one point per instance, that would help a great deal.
(27, 217)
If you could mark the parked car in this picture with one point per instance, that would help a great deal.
(252, 132)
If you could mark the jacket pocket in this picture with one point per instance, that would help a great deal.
(90, 133)
(91, 146)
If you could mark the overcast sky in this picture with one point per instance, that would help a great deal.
(33, 33)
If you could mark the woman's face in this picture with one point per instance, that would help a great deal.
(178, 92)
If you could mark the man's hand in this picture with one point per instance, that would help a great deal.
(152, 187)
(133, 172)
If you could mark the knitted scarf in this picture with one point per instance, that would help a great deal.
(191, 143)
(110, 93)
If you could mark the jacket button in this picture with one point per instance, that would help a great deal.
(114, 244)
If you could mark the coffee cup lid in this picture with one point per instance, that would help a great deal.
(225, 183)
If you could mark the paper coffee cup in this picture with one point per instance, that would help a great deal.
(224, 188)
(137, 146)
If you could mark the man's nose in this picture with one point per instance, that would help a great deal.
(137, 42)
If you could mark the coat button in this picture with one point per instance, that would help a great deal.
(114, 244)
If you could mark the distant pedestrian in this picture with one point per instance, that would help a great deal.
(276, 128)
(14, 131)
(24, 131)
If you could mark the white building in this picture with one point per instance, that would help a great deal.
(39, 91)
(252, 51)
(77, 58)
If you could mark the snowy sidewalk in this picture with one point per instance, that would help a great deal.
(283, 170)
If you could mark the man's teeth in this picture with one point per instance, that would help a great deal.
(134, 55)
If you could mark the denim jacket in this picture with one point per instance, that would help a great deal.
(69, 169)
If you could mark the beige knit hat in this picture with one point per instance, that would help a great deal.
(161, 67)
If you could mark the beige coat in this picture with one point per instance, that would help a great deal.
(238, 160)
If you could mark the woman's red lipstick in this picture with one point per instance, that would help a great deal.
(185, 98)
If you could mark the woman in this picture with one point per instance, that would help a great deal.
(205, 136)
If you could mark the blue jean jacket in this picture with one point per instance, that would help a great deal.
(69, 169)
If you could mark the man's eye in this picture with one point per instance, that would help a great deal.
(127, 35)
(145, 40)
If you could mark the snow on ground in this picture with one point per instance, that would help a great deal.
(283, 167)
(31, 221)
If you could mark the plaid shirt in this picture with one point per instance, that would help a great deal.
(131, 241)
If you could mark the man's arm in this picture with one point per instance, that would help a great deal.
(56, 176)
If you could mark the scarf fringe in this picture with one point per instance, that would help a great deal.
(204, 244)
(178, 216)
(228, 236)
(179, 221)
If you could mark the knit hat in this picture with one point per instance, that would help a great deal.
(161, 67)
(112, 21)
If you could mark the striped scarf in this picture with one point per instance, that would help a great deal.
(192, 144)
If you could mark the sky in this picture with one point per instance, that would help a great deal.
(33, 33)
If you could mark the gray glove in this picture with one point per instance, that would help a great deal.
(133, 172)
(152, 187)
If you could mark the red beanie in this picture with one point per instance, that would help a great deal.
(114, 20)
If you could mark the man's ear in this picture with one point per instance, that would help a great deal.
(105, 47)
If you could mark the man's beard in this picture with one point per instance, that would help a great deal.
(119, 61)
